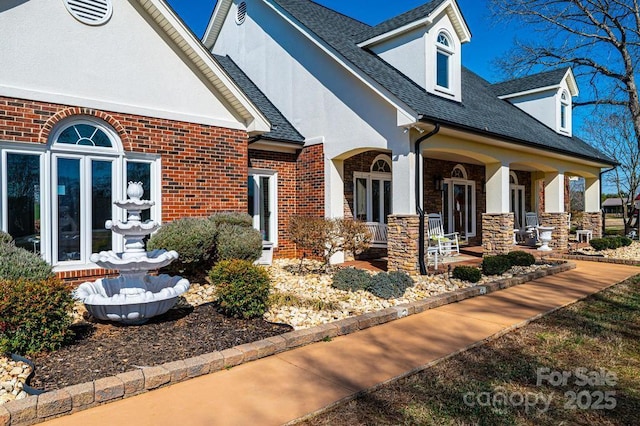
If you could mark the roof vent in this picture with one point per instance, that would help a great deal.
(90, 12)
(241, 13)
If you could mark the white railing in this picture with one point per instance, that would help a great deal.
(378, 234)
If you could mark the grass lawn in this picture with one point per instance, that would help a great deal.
(577, 366)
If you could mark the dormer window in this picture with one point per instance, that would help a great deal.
(444, 51)
(564, 110)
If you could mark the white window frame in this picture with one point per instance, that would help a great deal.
(370, 177)
(564, 105)
(448, 52)
(48, 188)
(520, 198)
(255, 174)
(464, 180)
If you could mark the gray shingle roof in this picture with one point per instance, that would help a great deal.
(281, 128)
(480, 111)
(530, 82)
(400, 20)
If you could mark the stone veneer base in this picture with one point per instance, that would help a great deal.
(39, 408)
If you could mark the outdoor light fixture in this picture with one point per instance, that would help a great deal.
(438, 183)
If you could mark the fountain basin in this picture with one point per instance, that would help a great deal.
(104, 300)
(129, 262)
(133, 228)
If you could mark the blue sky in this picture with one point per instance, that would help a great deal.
(488, 42)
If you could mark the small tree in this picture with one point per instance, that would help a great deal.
(325, 237)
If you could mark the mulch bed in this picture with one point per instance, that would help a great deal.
(103, 349)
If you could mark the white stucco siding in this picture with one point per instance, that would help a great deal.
(541, 105)
(125, 65)
(407, 53)
(316, 94)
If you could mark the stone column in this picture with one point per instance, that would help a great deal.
(593, 221)
(402, 243)
(497, 233)
(560, 233)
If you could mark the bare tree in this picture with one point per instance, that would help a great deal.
(614, 135)
(600, 39)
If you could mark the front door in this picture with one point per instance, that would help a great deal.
(459, 203)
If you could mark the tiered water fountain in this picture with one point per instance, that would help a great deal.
(134, 296)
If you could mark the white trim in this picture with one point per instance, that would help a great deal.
(450, 182)
(273, 201)
(58, 98)
(370, 177)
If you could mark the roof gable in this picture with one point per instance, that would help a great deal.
(537, 82)
(419, 16)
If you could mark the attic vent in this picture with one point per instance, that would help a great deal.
(90, 12)
(241, 14)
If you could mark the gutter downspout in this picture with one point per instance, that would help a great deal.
(603, 218)
(419, 210)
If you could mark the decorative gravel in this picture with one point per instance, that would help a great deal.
(631, 252)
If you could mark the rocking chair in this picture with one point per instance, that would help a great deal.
(448, 244)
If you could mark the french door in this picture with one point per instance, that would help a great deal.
(459, 205)
(372, 197)
(517, 204)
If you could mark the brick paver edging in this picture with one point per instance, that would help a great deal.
(38, 408)
(630, 262)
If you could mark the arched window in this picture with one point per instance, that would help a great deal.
(459, 172)
(444, 50)
(513, 178)
(381, 164)
(564, 110)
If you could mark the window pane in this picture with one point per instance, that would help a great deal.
(442, 78)
(563, 116)
(469, 217)
(141, 172)
(101, 202)
(251, 190)
(23, 200)
(361, 199)
(265, 209)
(69, 205)
(459, 208)
(387, 199)
(375, 201)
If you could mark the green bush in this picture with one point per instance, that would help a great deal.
(467, 273)
(521, 258)
(5, 238)
(17, 263)
(351, 279)
(242, 288)
(389, 285)
(35, 315)
(238, 242)
(495, 265)
(610, 242)
(232, 218)
(194, 240)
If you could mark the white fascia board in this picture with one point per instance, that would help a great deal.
(274, 146)
(216, 22)
(460, 25)
(530, 92)
(201, 58)
(368, 81)
(571, 82)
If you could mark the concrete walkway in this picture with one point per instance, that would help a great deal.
(289, 385)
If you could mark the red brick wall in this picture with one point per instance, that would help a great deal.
(310, 182)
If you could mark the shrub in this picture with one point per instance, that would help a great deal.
(351, 279)
(521, 258)
(5, 238)
(353, 236)
(625, 241)
(242, 288)
(467, 273)
(194, 240)
(610, 242)
(495, 265)
(17, 263)
(35, 315)
(238, 242)
(389, 285)
(232, 218)
(599, 243)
